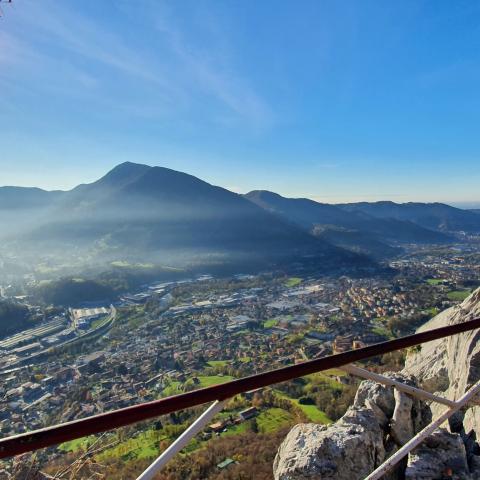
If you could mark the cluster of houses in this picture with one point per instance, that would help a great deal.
(223, 425)
(450, 266)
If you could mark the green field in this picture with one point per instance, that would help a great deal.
(144, 445)
(324, 378)
(312, 412)
(208, 381)
(432, 311)
(458, 295)
(293, 282)
(236, 429)
(435, 281)
(270, 323)
(218, 363)
(77, 444)
(173, 389)
(176, 387)
(272, 419)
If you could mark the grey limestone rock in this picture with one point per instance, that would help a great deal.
(441, 455)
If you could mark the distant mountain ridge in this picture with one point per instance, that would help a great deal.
(155, 214)
(26, 197)
(161, 215)
(345, 227)
(435, 216)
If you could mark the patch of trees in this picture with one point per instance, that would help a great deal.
(389, 362)
(107, 285)
(253, 452)
(14, 317)
(129, 277)
(403, 326)
(335, 402)
(74, 291)
(333, 399)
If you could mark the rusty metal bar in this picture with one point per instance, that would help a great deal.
(54, 435)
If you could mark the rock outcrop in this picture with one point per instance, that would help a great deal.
(316, 451)
(382, 418)
(441, 455)
(379, 421)
(450, 365)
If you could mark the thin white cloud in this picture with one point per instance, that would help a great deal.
(213, 72)
(52, 25)
(63, 42)
(14, 52)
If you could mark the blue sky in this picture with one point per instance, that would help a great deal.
(336, 101)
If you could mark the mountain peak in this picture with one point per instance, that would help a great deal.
(117, 177)
(262, 194)
(124, 171)
(155, 177)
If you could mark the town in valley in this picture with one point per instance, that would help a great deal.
(167, 337)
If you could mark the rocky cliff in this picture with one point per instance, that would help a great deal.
(382, 418)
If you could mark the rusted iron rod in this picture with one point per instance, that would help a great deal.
(56, 434)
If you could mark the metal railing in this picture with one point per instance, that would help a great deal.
(219, 394)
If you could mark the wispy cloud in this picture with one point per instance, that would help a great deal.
(172, 78)
(15, 52)
(63, 37)
(212, 70)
